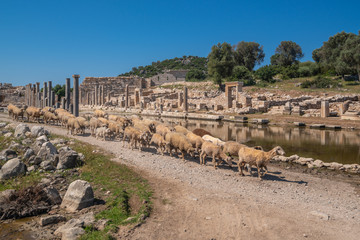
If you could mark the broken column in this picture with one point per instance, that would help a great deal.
(185, 107)
(102, 95)
(50, 103)
(37, 101)
(96, 95)
(127, 96)
(88, 98)
(325, 109)
(180, 99)
(67, 94)
(229, 99)
(76, 95)
(45, 94)
(63, 103)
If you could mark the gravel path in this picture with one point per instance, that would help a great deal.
(198, 202)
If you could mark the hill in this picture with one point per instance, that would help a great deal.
(185, 62)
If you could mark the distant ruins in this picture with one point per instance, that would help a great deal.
(11, 94)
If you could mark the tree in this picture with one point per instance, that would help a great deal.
(220, 62)
(59, 90)
(242, 73)
(286, 54)
(350, 54)
(328, 55)
(267, 72)
(248, 54)
(195, 75)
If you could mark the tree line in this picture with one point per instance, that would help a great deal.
(340, 55)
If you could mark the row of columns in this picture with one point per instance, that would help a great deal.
(33, 96)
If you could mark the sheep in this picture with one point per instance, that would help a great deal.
(195, 140)
(113, 118)
(116, 129)
(178, 141)
(214, 140)
(201, 132)
(102, 132)
(160, 142)
(100, 113)
(17, 112)
(83, 124)
(64, 116)
(145, 130)
(73, 126)
(163, 130)
(213, 150)
(49, 116)
(181, 129)
(257, 158)
(33, 113)
(94, 123)
(135, 136)
(151, 124)
(104, 121)
(10, 108)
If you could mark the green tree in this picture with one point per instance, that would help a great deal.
(59, 90)
(241, 73)
(248, 54)
(267, 72)
(329, 57)
(350, 54)
(220, 62)
(195, 75)
(286, 54)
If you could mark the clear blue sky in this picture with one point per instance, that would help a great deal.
(53, 39)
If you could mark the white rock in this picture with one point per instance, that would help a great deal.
(78, 196)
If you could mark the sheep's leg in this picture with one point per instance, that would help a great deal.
(182, 156)
(240, 169)
(266, 170)
(259, 172)
(214, 161)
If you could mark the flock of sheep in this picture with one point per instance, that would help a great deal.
(143, 133)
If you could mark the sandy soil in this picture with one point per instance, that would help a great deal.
(198, 202)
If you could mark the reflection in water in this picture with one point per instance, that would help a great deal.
(328, 145)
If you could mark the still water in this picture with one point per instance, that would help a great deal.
(341, 146)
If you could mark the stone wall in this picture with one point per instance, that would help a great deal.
(170, 76)
(10, 94)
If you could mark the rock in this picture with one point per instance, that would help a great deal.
(28, 134)
(71, 224)
(37, 131)
(35, 160)
(51, 220)
(88, 219)
(321, 215)
(293, 158)
(53, 195)
(67, 158)
(12, 168)
(304, 161)
(47, 165)
(9, 134)
(78, 196)
(318, 163)
(32, 168)
(8, 154)
(101, 224)
(42, 139)
(46, 149)
(7, 195)
(335, 165)
(27, 141)
(15, 146)
(72, 233)
(3, 125)
(21, 130)
(29, 152)
(58, 141)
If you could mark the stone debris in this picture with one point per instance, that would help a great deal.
(12, 168)
(78, 196)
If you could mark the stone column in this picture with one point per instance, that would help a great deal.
(52, 99)
(102, 95)
(27, 95)
(63, 103)
(108, 96)
(50, 103)
(325, 109)
(95, 100)
(180, 99)
(67, 94)
(76, 95)
(37, 95)
(238, 90)
(229, 99)
(185, 107)
(88, 98)
(127, 96)
(45, 94)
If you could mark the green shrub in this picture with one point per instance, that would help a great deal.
(320, 82)
(241, 73)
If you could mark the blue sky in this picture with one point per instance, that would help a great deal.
(43, 40)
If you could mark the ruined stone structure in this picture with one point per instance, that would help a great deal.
(169, 76)
(93, 90)
(11, 94)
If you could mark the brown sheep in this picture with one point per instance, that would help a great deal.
(102, 132)
(49, 116)
(179, 142)
(195, 140)
(163, 130)
(181, 129)
(104, 121)
(83, 124)
(134, 136)
(113, 118)
(100, 113)
(201, 132)
(33, 113)
(10, 108)
(94, 124)
(73, 126)
(145, 130)
(17, 113)
(160, 143)
(116, 129)
(257, 158)
(210, 149)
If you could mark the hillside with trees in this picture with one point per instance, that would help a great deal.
(196, 65)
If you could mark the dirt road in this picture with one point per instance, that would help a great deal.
(198, 202)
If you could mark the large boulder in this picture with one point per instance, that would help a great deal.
(53, 195)
(8, 154)
(21, 130)
(79, 195)
(48, 152)
(72, 229)
(37, 131)
(12, 168)
(68, 158)
(7, 195)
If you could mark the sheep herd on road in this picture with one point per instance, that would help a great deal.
(142, 133)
